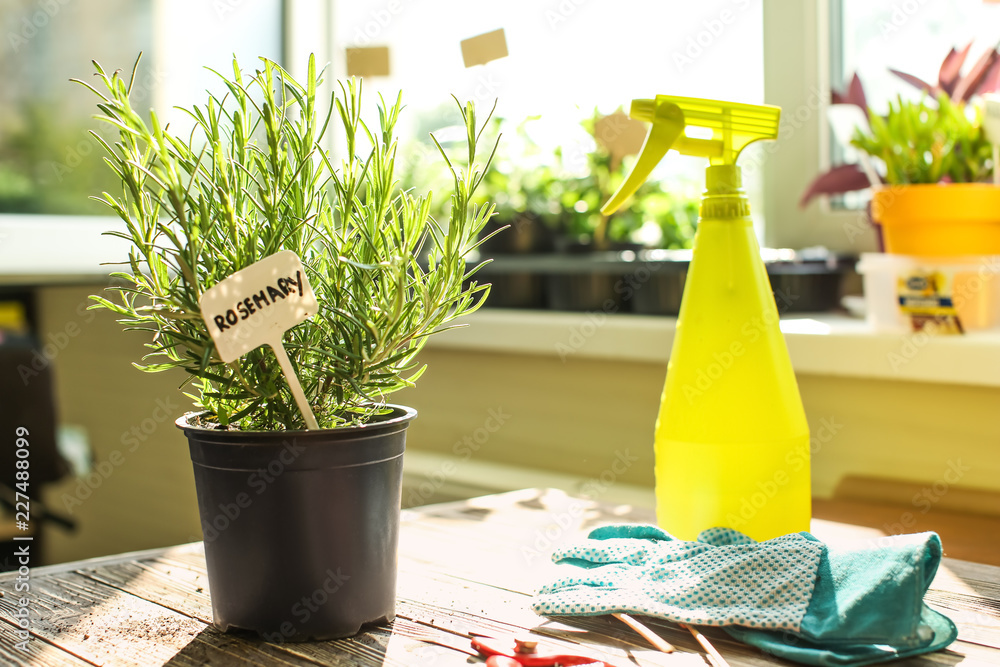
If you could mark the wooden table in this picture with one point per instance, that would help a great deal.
(467, 567)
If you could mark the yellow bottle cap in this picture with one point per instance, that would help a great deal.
(733, 127)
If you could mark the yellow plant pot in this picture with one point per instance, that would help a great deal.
(939, 220)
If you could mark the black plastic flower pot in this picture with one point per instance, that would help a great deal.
(809, 289)
(661, 292)
(300, 527)
(522, 233)
(585, 291)
(516, 290)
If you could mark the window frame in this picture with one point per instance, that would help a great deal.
(799, 47)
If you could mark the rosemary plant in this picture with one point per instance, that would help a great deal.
(253, 178)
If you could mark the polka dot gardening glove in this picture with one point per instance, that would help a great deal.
(792, 596)
(724, 579)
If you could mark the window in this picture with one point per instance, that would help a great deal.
(566, 59)
(871, 39)
(48, 162)
(811, 46)
(912, 37)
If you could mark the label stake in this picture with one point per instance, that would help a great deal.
(256, 306)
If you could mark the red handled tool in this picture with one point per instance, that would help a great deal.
(524, 653)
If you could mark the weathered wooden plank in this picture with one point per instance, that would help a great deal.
(465, 568)
(57, 568)
(497, 518)
(977, 618)
(181, 586)
(954, 591)
(485, 551)
(176, 587)
(107, 626)
(159, 582)
(188, 568)
(211, 647)
(469, 601)
(179, 582)
(36, 651)
(965, 653)
(983, 579)
(483, 548)
(554, 521)
(425, 645)
(103, 626)
(508, 548)
(480, 607)
(447, 536)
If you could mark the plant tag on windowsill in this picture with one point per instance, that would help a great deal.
(481, 49)
(368, 61)
(256, 306)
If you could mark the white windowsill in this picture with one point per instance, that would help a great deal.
(58, 250)
(54, 250)
(821, 344)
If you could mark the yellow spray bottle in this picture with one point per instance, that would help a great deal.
(732, 442)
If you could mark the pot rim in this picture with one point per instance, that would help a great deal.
(406, 414)
(939, 204)
(883, 187)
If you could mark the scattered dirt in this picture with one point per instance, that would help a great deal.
(163, 627)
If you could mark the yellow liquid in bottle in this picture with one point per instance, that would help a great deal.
(732, 442)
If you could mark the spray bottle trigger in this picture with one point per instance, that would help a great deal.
(667, 125)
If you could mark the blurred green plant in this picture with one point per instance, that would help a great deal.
(915, 142)
(45, 166)
(674, 213)
(524, 178)
(565, 190)
(920, 143)
(418, 158)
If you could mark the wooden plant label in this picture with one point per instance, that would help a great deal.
(255, 307)
(620, 136)
(368, 61)
(481, 49)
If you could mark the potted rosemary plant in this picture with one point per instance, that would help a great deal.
(300, 525)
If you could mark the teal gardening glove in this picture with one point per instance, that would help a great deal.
(792, 596)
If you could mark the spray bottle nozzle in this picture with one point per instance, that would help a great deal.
(733, 127)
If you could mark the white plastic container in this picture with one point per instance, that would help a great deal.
(906, 293)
